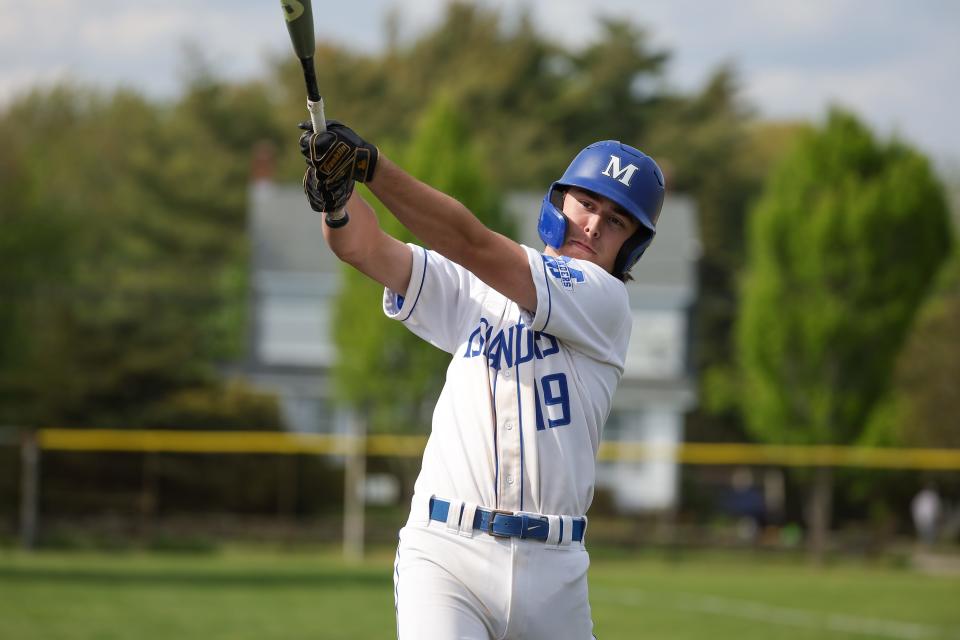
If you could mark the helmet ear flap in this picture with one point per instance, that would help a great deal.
(557, 194)
(632, 249)
(552, 225)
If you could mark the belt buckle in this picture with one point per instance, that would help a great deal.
(493, 516)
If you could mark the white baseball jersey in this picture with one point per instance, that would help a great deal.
(518, 423)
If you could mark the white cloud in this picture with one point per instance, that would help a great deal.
(797, 19)
(19, 81)
(9, 28)
(909, 91)
(893, 62)
(136, 29)
(793, 93)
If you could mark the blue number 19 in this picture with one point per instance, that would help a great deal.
(555, 393)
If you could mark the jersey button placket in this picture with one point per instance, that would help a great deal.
(507, 412)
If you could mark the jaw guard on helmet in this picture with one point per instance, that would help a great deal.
(624, 175)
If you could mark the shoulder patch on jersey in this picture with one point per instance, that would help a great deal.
(560, 270)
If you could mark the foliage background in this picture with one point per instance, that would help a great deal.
(124, 249)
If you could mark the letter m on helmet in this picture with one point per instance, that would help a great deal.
(614, 171)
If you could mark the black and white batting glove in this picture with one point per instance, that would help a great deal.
(325, 198)
(338, 153)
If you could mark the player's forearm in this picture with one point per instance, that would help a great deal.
(351, 243)
(448, 227)
(438, 220)
(362, 244)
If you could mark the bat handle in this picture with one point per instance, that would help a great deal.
(316, 115)
(334, 219)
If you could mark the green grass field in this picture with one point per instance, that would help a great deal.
(261, 595)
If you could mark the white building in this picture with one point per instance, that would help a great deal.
(295, 278)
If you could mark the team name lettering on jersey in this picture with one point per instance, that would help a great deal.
(560, 270)
(516, 345)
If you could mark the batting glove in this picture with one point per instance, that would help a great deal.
(338, 153)
(325, 197)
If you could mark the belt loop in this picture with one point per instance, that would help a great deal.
(466, 522)
(553, 533)
(453, 516)
(566, 530)
(420, 509)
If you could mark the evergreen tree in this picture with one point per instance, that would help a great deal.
(126, 222)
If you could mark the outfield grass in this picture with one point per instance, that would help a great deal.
(262, 595)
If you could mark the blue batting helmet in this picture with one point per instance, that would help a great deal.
(616, 171)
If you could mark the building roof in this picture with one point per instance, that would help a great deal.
(295, 276)
(287, 236)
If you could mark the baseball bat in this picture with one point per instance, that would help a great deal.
(299, 16)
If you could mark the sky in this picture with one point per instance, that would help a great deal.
(896, 63)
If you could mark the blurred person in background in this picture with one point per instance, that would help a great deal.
(925, 509)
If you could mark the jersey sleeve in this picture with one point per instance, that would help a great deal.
(438, 301)
(582, 305)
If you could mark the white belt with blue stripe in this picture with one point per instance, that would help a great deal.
(507, 524)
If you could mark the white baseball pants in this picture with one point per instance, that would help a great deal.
(452, 583)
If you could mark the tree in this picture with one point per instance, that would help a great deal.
(37, 247)
(124, 245)
(843, 246)
(925, 385)
(529, 101)
(711, 148)
(924, 403)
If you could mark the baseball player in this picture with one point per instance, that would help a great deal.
(494, 544)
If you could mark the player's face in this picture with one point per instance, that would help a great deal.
(596, 227)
